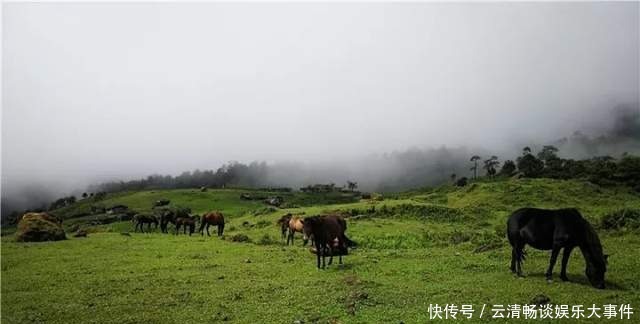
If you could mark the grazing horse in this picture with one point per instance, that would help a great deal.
(212, 218)
(296, 224)
(185, 222)
(284, 224)
(169, 215)
(553, 230)
(329, 238)
(141, 219)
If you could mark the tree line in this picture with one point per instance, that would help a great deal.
(602, 170)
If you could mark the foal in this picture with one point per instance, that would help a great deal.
(185, 222)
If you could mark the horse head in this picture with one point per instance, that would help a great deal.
(596, 260)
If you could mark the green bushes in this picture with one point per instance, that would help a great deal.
(38, 227)
(622, 218)
(415, 211)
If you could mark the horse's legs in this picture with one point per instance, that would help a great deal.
(340, 259)
(565, 259)
(513, 260)
(220, 229)
(148, 227)
(519, 258)
(208, 234)
(552, 262)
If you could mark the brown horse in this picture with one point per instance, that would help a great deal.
(328, 233)
(185, 222)
(284, 224)
(141, 219)
(212, 218)
(296, 224)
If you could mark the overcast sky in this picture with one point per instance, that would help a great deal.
(96, 91)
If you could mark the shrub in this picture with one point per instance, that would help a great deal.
(240, 238)
(629, 218)
(38, 227)
(266, 240)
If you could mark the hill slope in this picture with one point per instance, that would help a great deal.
(442, 245)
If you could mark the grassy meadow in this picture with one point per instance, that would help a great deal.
(443, 245)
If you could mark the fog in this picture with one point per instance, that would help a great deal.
(95, 92)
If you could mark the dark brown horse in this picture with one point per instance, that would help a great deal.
(284, 224)
(141, 219)
(185, 222)
(169, 215)
(329, 237)
(553, 230)
(213, 218)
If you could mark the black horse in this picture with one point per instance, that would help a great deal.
(328, 235)
(553, 230)
(141, 219)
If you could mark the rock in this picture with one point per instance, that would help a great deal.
(39, 227)
(80, 233)
(274, 201)
(247, 261)
(161, 202)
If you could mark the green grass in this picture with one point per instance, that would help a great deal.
(408, 258)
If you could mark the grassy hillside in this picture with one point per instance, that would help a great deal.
(442, 245)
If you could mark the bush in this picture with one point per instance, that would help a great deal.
(39, 227)
(240, 238)
(629, 218)
(266, 240)
(264, 211)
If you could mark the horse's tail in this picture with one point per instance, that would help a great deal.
(514, 224)
(202, 223)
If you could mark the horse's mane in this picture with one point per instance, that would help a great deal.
(592, 243)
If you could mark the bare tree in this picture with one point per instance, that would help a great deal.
(474, 168)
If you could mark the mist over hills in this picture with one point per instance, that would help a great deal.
(393, 171)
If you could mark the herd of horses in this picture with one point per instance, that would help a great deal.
(542, 229)
(180, 220)
(326, 232)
